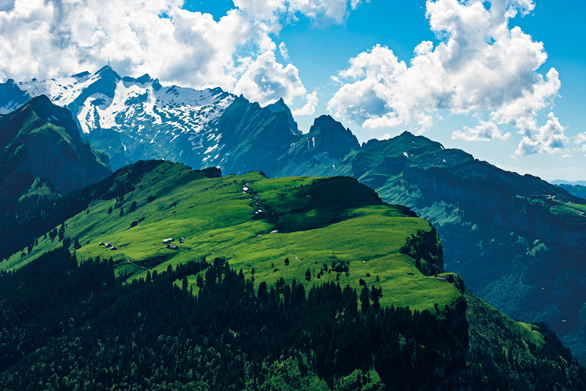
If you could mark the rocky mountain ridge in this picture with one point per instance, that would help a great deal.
(130, 118)
(43, 154)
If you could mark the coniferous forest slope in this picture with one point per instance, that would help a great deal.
(320, 304)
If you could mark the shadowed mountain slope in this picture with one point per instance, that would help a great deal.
(43, 154)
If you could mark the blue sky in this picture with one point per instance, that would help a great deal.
(502, 80)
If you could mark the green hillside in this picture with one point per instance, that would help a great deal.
(510, 355)
(515, 239)
(41, 142)
(336, 228)
(576, 190)
(346, 291)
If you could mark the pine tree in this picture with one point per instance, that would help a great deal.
(365, 299)
(61, 232)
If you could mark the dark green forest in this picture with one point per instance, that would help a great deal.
(37, 216)
(504, 357)
(67, 325)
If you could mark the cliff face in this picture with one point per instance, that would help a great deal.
(546, 217)
(41, 140)
(11, 97)
(252, 138)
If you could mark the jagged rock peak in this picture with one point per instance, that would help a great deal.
(331, 136)
(142, 79)
(81, 75)
(107, 72)
(281, 106)
(325, 124)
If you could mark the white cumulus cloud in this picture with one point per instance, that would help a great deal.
(549, 138)
(485, 131)
(284, 51)
(309, 107)
(55, 38)
(580, 139)
(479, 66)
(266, 80)
(271, 14)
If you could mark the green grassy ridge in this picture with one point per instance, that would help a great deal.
(557, 211)
(391, 157)
(575, 190)
(507, 354)
(33, 119)
(69, 162)
(340, 222)
(35, 217)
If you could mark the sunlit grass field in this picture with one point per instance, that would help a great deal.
(321, 222)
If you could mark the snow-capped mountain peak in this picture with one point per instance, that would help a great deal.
(129, 112)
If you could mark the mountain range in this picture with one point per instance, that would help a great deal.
(277, 284)
(515, 239)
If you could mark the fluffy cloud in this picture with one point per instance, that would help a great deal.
(309, 108)
(479, 66)
(271, 13)
(265, 80)
(53, 38)
(485, 131)
(549, 138)
(284, 51)
(580, 139)
(6, 5)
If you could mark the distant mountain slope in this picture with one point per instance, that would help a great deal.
(575, 190)
(562, 182)
(133, 119)
(43, 155)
